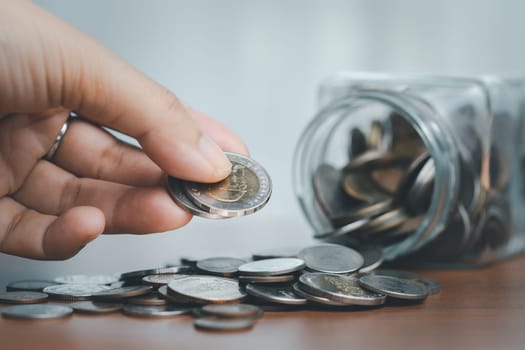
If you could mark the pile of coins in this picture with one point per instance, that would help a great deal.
(383, 193)
(225, 293)
(246, 190)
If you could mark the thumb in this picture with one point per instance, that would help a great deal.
(70, 69)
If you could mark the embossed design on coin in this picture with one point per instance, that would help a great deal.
(339, 288)
(207, 289)
(246, 190)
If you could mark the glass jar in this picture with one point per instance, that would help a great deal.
(429, 168)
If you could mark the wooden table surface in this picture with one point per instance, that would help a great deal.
(477, 309)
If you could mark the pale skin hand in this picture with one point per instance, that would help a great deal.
(95, 184)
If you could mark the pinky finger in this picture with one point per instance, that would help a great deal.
(28, 233)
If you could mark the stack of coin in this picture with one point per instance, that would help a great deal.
(381, 196)
(225, 293)
(246, 190)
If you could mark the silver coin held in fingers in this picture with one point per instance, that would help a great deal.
(246, 190)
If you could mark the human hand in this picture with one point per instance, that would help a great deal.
(95, 183)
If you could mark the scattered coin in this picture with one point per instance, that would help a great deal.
(121, 293)
(331, 258)
(406, 275)
(74, 291)
(207, 289)
(246, 190)
(87, 279)
(222, 266)
(155, 311)
(394, 287)
(161, 280)
(271, 267)
(37, 311)
(224, 324)
(266, 279)
(29, 285)
(315, 298)
(372, 258)
(151, 299)
(280, 294)
(433, 286)
(339, 288)
(91, 307)
(231, 310)
(22, 297)
(133, 275)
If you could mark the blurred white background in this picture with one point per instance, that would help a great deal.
(255, 65)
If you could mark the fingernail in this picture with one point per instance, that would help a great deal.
(215, 156)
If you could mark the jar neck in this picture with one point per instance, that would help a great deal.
(434, 132)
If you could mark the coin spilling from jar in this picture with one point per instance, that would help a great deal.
(384, 192)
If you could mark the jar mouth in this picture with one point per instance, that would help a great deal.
(318, 144)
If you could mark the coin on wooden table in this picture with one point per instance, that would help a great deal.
(224, 324)
(394, 287)
(155, 311)
(161, 280)
(29, 285)
(74, 291)
(178, 194)
(207, 289)
(275, 293)
(297, 288)
(222, 266)
(37, 311)
(246, 190)
(87, 279)
(91, 307)
(232, 310)
(150, 299)
(121, 293)
(332, 258)
(174, 298)
(266, 279)
(339, 288)
(271, 267)
(139, 274)
(22, 297)
(433, 286)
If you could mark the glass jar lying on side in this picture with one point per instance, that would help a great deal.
(429, 168)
